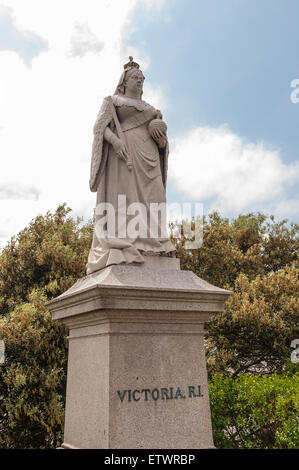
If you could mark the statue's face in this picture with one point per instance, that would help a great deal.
(134, 81)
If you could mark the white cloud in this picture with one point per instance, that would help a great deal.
(13, 190)
(217, 167)
(47, 112)
(84, 41)
(286, 208)
(26, 44)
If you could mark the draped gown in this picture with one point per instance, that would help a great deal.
(145, 184)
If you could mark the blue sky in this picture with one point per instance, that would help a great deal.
(219, 70)
(227, 62)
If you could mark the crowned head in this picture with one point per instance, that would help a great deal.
(131, 81)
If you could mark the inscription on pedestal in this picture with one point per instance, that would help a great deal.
(164, 393)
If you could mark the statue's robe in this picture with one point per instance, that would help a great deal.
(145, 184)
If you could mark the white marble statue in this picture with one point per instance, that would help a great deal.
(129, 158)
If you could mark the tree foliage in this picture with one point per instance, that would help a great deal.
(257, 258)
(255, 412)
(50, 255)
(40, 263)
(250, 244)
(33, 379)
(256, 328)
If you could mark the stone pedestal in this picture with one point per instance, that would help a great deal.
(136, 368)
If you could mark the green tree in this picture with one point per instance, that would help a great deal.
(252, 244)
(33, 378)
(50, 255)
(255, 257)
(44, 260)
(255, 412)
(256, 328)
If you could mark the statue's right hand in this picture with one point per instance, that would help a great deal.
(120, 149)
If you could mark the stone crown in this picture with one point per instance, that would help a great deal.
(131, 64)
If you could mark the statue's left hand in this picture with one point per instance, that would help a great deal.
(162, 142)
(158, 135)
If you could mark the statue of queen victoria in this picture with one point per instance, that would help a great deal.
(128, 172)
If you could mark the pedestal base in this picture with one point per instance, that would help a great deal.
(136, 369)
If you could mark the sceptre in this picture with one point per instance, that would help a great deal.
(119, 131)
